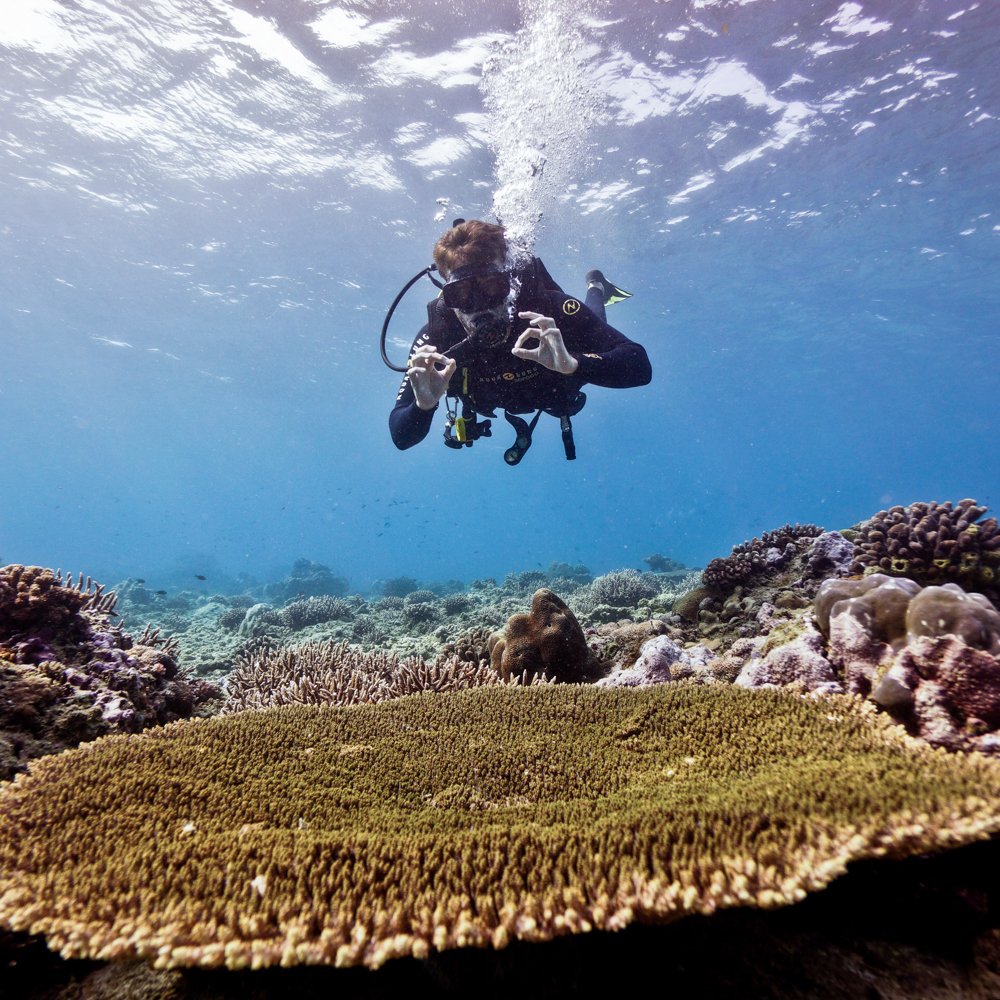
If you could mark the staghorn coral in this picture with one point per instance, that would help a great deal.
(758, 557)
(356, 835)
(388, 604)
(547, 642)
(313, 611)
(931, 543)
(455, 604)
(338, 674)
(33, 599)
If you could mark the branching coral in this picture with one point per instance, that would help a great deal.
(356, 835)
(757, 557)
(623, 588)
(314, 611)
(338, 674)
(932, 542)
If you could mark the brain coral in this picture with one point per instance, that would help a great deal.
(932, 542)
(547, 642)
(355, 835)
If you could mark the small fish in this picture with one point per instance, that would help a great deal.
(198, 576)
(725, 29)
(137, 580)
(162, 593)
(300, 593)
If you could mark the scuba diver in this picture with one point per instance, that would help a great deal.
(507, 336)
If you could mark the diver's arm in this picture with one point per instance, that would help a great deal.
(410, 421)
(623, 367)
(408, 424)
(607, 357)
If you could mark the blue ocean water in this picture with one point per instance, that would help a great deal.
(206, 208)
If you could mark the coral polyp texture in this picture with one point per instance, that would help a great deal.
(758, 557)
(932, 542)
(355, 835)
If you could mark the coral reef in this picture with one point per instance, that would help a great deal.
(339, 674)
(931, 543)
(830, 555)
(399, 586)
(758, 557)
(661, 564)
(67, 674)
(307, 579)
(547, 642)
(307, 835)
(623, 588)
(232, 618)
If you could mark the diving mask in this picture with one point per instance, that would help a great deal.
(472, 289)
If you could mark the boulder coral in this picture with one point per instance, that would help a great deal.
(547, 642)
(348, 836)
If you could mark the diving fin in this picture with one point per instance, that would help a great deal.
(611, 293)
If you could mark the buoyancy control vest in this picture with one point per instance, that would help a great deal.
(535, 281)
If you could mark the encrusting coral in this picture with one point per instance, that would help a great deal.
(932, 542)
(547, 642)
(355, 835)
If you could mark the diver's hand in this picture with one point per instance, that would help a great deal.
(429, 384)
(551, 351)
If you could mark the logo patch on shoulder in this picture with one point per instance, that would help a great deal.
(571, 307)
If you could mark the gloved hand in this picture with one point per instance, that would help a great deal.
(429, 384)
(551, 351)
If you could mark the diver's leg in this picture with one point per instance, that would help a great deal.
(595, 301)
(601, 293)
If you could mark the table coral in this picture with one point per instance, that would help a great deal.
(356, 835)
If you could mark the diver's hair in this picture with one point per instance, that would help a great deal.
(471, 242)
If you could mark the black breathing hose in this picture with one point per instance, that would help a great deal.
(392, 309)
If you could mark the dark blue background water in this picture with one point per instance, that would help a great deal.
(206, 209)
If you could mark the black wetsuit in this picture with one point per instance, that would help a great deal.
(486, 380)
